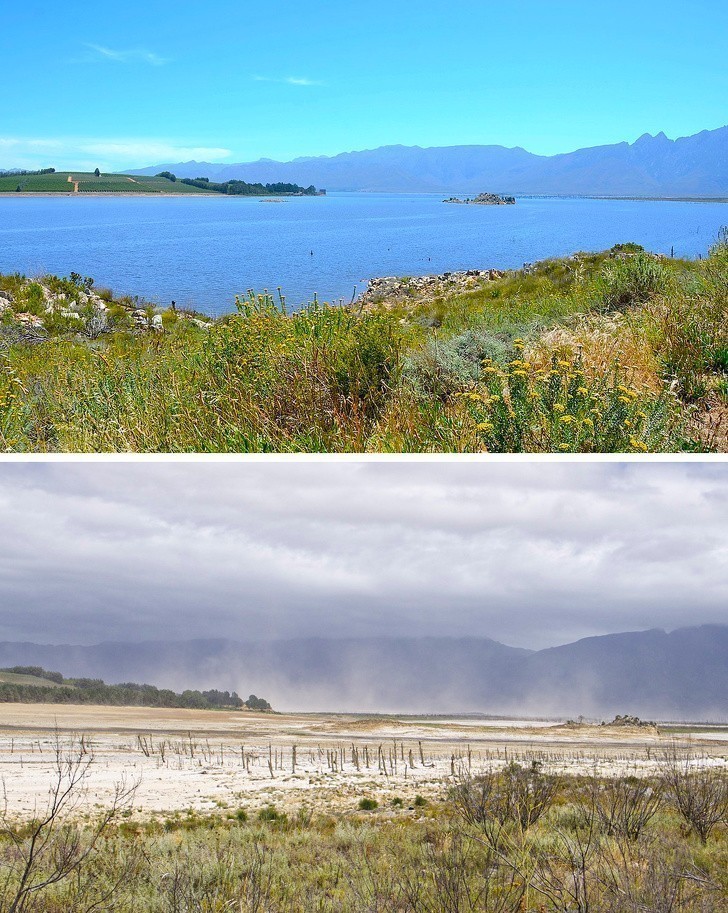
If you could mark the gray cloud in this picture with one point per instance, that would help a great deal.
(529, 553)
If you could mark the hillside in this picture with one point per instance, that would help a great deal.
(33, 684)
(87, 182)
(683, 674)
(652, 166)
(76, 182)
(22, 679)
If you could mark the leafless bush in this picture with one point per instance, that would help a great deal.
(625, 806)
(53, 846)
(494, 801)
(565, 868)
(698, 792)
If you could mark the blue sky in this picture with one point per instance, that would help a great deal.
(123, 85)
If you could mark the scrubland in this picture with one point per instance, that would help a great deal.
(621, 351)
(339, 813)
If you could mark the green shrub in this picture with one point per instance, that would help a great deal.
(444, 366)
(368, 805)
(629, 281)
(270, 813)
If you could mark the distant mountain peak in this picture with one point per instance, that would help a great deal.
(652, 166)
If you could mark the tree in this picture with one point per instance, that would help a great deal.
(97, 173)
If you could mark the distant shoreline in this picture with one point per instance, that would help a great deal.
(527, 196)
(111, 193)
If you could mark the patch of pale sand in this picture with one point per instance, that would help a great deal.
(206, 760)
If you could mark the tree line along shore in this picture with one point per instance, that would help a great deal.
(619, 351)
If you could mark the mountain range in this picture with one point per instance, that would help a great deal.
(652, 166)
(678, 675)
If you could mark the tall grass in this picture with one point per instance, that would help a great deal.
(540, 360)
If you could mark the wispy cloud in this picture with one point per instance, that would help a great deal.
(100, 52)
(110, 153)
(289, 80)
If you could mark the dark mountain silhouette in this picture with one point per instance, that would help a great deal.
(678, 675)
(692, 166)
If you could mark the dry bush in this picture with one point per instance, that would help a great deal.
(697, 791)
(625, 806)
(602, 342)
(53, 847)
(497, 801)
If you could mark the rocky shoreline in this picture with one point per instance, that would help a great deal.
(388, 291)
(35, 306)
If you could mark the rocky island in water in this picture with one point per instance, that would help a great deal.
(484, 199)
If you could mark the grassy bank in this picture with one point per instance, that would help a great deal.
(89, 182)
(514, 841)
(614, 352)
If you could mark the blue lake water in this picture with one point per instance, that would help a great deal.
(201, 251)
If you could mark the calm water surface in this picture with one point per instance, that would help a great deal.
(201, 251)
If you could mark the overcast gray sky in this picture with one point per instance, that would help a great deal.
(532, 554)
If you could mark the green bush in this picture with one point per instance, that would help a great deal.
(368, 805)
(630, 280)
(444, 366)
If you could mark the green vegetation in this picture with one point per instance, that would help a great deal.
(241, 188)
(32, 685)
(89, 182)
(487, 846)
(21, 675)
(50, 181)
(613, 352)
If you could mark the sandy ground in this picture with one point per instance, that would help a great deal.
(202, 760)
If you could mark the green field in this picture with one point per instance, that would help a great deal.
(89, 183)
(13, 678)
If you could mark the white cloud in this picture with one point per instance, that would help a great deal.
(289, 80)
(100, 52)
(108, 153)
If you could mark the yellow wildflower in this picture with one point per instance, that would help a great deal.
(566, 419)
(558, 407)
